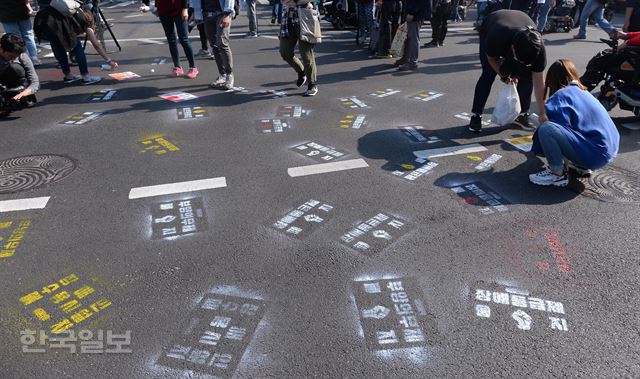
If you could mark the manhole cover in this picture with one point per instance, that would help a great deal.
(33, 171)
(610, 184)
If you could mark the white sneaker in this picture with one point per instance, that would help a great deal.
(228, 83)
(547, 178)
(220, 81)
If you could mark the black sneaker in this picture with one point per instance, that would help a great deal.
(524, 122)
(475, 124)
(431, 44)
(312, 91)
(302, 79)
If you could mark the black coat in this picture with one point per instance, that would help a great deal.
(13, 10)
(419, 9)
(52, 26)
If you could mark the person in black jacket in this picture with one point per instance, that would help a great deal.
(439, 22)
(417, 12)
(390, 12)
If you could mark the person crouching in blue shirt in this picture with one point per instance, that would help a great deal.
(579, 132)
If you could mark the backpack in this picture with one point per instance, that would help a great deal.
(67, 8)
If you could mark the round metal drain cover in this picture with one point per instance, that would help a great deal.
(33, 171)
(611, 184)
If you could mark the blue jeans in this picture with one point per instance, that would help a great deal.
(596, 8)
(482, 6)
(168, 23)
(541, 20)
(556, 146)
(365, 19)
(62, 58)
(455, 16)
(23, 29)
(276, 11)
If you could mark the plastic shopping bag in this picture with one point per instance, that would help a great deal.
(397, 45)
(507, 106)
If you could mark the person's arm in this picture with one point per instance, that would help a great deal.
(185, 10)
(495, 62)
(627, 18)
(538, 92)
(32, 77)
(91, 36)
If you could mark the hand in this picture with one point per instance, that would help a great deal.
(113, 65)
(378, 3)
(625, 27)
(22, 94)
(409, 18)
(542, 119)
(226, 21)
(185, 15)
(507, 79)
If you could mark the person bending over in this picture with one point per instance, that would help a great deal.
(579, 133)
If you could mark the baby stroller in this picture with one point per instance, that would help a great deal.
(559, 18)
(340, 13)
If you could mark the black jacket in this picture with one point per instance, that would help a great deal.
(52, 26)
(13, 10)
(419, 9)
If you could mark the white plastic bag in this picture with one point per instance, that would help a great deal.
(397, 45)
(507, 106)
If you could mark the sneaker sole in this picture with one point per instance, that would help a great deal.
(474, 130)
(550, 184)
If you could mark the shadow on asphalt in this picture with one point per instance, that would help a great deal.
(395, 148)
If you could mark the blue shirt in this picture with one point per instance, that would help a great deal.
(585, 123)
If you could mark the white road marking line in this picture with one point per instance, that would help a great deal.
(50, 55)
(180, 187)
(151, 41)
(119, 5)
(23, 204)
(134, 15)
(448, 151)
(323, 168)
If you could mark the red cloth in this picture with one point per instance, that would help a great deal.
(171, 7)
(633, 39)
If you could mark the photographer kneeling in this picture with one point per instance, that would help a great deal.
(18, 79)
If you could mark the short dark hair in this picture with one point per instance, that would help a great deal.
(527, 45)
(12, 43)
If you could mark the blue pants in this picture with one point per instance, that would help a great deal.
(541, 19)
(63, 59)
(596, 8)
(182, 27)
(365, 19)
(556, 147)
(23, 29)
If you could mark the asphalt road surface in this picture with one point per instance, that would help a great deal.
(262, 234)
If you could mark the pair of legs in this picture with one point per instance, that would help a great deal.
(482, 6)
(557, 148)
(455, 15)
(596, 8)
(365, 19)
(306, 67)
(253, 19)
(61, 56)
(276, 12)
(488, 76)
(542, 14)
(389, 17)
(412, 44)
(219, 40)
(24, 29)
(439, 24)
(170, 24)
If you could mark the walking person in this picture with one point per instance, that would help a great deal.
(253, 19)
(439, 22)
(511, 47)
(15, 16)
(276, 12)
(174, 16)
(290, 37)
(364, 9)
(217, 15)
(417, 12)
(390, 13)
(579, 133)
(595, 7)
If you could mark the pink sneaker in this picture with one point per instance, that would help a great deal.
(193, 72)
(177, 71)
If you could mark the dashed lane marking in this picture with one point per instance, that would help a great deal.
(180, 187)
(23, 204)
(324, 168)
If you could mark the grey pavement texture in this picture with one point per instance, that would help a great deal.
(303, 314)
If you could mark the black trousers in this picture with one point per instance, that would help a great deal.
(12, 75)
(389, 22)
(439, 22)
